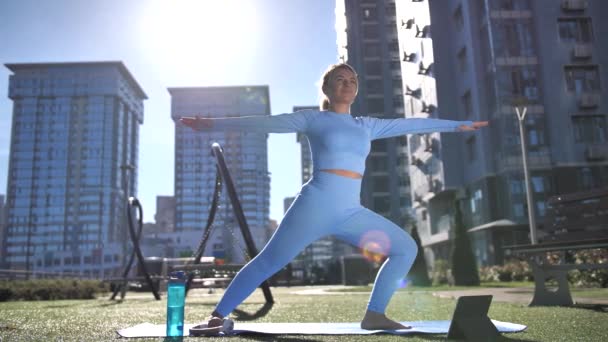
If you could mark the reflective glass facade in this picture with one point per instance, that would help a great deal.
(73, 160)
(246, 154)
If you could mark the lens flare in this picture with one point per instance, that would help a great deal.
(402, 283)
(375, 245)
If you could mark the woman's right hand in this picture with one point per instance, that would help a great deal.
(196, 123)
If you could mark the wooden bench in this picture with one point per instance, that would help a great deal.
(573, 222)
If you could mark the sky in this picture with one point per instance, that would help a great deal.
(180, 43)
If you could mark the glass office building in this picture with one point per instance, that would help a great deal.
(73, 161)
(246, 155)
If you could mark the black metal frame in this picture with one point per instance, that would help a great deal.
(222, 174)
(135, 237)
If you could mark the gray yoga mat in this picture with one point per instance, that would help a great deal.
(419, 327)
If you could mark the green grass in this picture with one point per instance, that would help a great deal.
(97, 320)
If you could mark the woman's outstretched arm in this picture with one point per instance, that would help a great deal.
(282, 123)
(386, 128)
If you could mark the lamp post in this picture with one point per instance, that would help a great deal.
(521, 115)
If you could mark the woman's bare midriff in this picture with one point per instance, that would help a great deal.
(344, 173)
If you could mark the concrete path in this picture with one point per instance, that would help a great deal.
(522, 295)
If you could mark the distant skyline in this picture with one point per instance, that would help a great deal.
(182, 43)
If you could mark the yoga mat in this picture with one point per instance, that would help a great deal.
(419, 327)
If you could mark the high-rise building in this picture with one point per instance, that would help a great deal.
(305, 156)
(367, 40)
(73, 162)
(2, 230)
(490, 56)
(195, 167)
(165, 214)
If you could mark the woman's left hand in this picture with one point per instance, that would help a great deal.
(475, 126)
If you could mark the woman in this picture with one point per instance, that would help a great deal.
(329, 203)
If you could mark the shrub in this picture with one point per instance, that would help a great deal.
(50, 289)
(464, 265)
(419, 274)
(440, 272)
(592, 277)
(518, 270)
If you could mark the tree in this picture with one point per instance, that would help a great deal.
(419, 275)
(464, 265)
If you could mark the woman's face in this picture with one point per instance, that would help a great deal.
(342, 86)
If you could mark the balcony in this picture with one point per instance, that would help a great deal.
(596, 152)
(582, 51)
(588, 100)
(574, 5)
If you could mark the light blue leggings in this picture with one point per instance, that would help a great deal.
(328, 205)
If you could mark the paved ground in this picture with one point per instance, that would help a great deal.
(521, 295)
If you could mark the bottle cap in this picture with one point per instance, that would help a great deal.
(177, 275)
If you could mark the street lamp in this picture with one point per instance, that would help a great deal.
(521, 115)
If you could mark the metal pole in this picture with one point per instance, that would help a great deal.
(125, 168)
(529, 195)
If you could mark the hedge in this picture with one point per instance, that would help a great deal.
(50, 289)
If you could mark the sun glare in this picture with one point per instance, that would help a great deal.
(197, 35)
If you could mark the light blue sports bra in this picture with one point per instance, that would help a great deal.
(337, 141)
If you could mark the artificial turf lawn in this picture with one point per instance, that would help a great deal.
(97, 320)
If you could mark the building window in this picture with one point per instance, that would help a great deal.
(471, 156)
(538, 184)
(516, 186)
(514, 38)
(382, 204)
(375, 105)
(381, 184)
(395, 65)
(590, 129)
(370, 31)
(369, 13)
(378, 163)
(374, 86)
(518, 209)
(373, 68)
(476, 201)
(535, 138)
(586, 178)
(577, 30)
(541, 208)
(398, 101)
(393, 46)
(516, 82)
(398, 84)
(462, 59)
(581, 79)
(458, 19)
(372, 50)
(511, 5)
(391, 10)
(467, 104)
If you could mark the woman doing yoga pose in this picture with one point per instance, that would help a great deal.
(329, 203)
